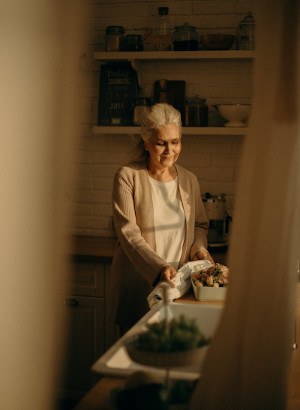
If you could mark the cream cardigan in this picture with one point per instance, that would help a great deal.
(136, 266)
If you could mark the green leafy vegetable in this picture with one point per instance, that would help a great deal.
(179, 334)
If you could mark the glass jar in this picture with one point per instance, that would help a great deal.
(196, 112)
(133, 42)
(141, 105)
(114, 38)
(185, 37)
(246, 33)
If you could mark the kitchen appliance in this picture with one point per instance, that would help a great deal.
(215, 207)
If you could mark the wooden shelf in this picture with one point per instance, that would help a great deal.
(119, 130)
(174, 55)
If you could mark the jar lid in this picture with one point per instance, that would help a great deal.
(248, 19)
(114, 30)
(136, 37)
(185, 26)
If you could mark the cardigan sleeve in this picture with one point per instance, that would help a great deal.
(141, 255)
(201, 222)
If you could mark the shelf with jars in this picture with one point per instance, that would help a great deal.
(147, 56)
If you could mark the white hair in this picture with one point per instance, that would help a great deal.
(158, 116)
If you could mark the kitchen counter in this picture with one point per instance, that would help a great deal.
(101, 249)
(97, 398)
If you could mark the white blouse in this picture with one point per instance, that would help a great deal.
(169, 220)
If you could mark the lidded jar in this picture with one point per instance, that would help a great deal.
(114, 38)
(196, 112)
(185, 37)
(246, 33)
(133, 42)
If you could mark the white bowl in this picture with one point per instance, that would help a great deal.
(235, 114)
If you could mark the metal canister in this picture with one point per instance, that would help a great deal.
(114, 38)
(196, 112)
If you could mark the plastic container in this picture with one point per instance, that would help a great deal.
(185, 38)
(114, 38)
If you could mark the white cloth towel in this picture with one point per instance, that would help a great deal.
(181, 280)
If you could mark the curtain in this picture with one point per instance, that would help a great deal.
(247, 365)
(38, 128)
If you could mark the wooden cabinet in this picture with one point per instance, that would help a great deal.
(87, 326)
(90, 331)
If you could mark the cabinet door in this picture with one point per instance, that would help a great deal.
(86, 342)
(88, 279)
(112, 333)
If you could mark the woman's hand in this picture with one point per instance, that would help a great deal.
(167, 273)
(203, 254)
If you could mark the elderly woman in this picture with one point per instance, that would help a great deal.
(159, 217)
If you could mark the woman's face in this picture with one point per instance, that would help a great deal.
(164, 150)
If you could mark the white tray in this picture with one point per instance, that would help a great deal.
(208, 293)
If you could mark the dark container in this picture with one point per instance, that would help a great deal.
(185, 38)
(133, 42)
(196, 112)
(171, 92)
(118, 88)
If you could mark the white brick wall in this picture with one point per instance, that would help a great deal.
(214, 159)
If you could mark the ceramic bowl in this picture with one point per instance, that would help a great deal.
(217, 41)
(165, 359)
(235, 114)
